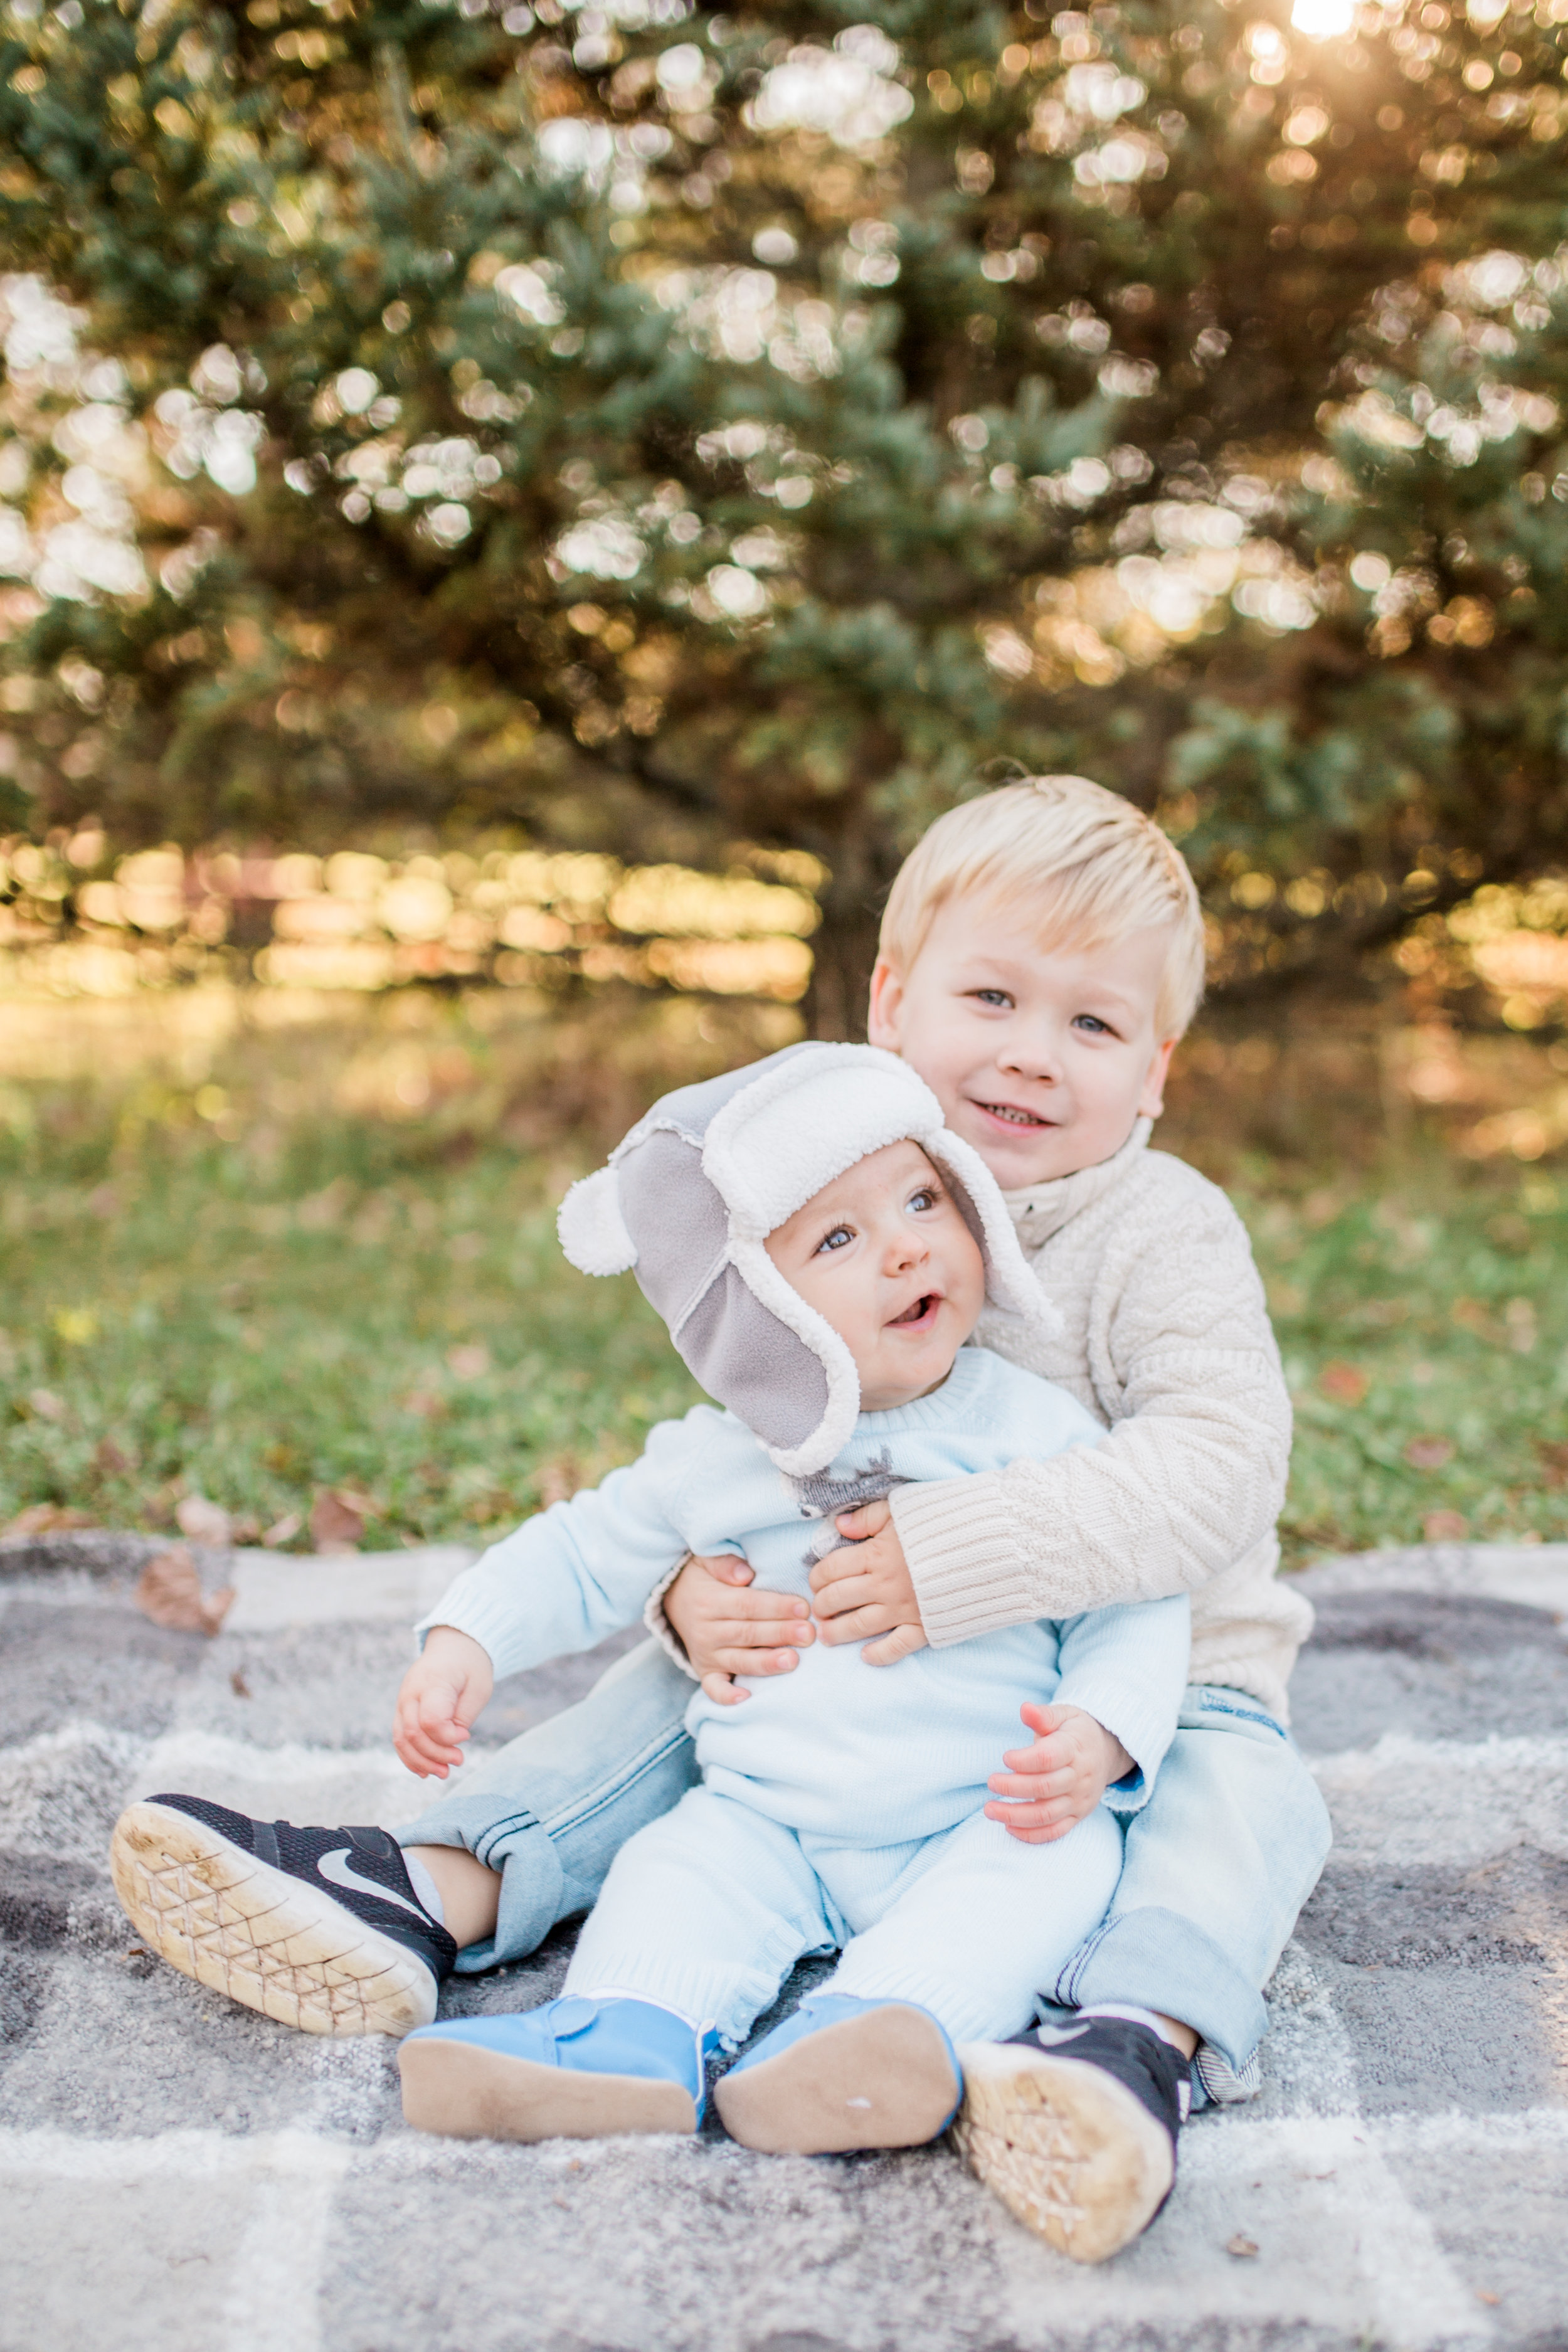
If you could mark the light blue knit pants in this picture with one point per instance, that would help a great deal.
(709, 1910)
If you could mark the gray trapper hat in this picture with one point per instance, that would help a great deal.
(689, 1199)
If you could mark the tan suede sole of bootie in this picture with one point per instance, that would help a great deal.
(1071, 2153)
(881, 2080)
(465, 2092)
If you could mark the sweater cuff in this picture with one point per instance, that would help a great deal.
(968, 1569)
(1133, 1717)
(660, 1626)
(486, 1618)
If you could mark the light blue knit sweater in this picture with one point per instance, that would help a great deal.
(873, 1755)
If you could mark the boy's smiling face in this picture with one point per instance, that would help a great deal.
(1043, 1058)
(885, 1257)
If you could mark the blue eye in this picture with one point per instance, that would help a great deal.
(1093, 1024)
(837, 1239)
(926, 1198)
(997, 997)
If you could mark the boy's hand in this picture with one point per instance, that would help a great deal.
(1062, 1777)
(727, 1630)
(442, 1693)
(865, 1589)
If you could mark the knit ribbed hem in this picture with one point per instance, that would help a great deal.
(492, 1621)
(969, 1571)
(660, 1626)
(965, 2012)
(727, 1996)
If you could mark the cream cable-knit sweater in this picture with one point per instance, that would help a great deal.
(1167, 1342)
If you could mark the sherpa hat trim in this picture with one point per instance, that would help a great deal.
(884, 1101)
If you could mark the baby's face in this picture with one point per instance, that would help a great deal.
(885, 1259)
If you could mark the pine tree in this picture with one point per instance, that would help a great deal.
(659, 430)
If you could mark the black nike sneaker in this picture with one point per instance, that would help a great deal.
(1075, 2128)
(320, 1928)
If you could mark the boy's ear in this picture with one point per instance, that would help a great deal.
(1152, 1102)
(884, 1023)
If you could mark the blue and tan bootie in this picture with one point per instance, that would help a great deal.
(842, 2074)
(572, 2069)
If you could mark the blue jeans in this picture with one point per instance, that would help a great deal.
(1216, 1868)
(1217, 1864)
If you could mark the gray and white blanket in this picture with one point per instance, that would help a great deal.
(182, 2176)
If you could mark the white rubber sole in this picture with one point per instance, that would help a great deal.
(466, 2092)
(1069, 2150)
(269, 1941)
(879, 2080)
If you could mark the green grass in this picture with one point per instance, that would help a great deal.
(265, 1318)
(408, 1331)
(1441, 1289)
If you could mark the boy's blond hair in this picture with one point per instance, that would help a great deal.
(1083, 863)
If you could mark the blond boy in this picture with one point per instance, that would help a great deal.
(1042, 956)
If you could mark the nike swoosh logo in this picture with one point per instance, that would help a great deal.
(337, 1868)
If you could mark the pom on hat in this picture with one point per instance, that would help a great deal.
(592, 1229)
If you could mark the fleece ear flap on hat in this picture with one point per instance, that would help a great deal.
(592, 1228)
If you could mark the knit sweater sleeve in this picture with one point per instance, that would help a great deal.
(1192, 1475)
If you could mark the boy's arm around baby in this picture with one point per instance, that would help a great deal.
(583, 1568)
(1183, 1364)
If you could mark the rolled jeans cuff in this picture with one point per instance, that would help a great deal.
(533, 1890)
(1159, 1960)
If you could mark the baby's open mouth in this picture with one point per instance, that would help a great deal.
(924, 1306)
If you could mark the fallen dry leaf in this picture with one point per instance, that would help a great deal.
(335, 1525)
(47, 1404)
(468, 1363)
(108, 1459)
(238, 1684)
(1344, 1383)
(1429, 1453)
(1554, 1457)
(48, 1520)
(1445, 1527)
(1240, 2246)
(204, 1522)
(169, 1592)
(557, 1482)
(282, 1530)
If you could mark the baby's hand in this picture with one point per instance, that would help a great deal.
(866, 1587)
(1062, 1778)
(442, 1692)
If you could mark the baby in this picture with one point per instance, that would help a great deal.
(822, 1248)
